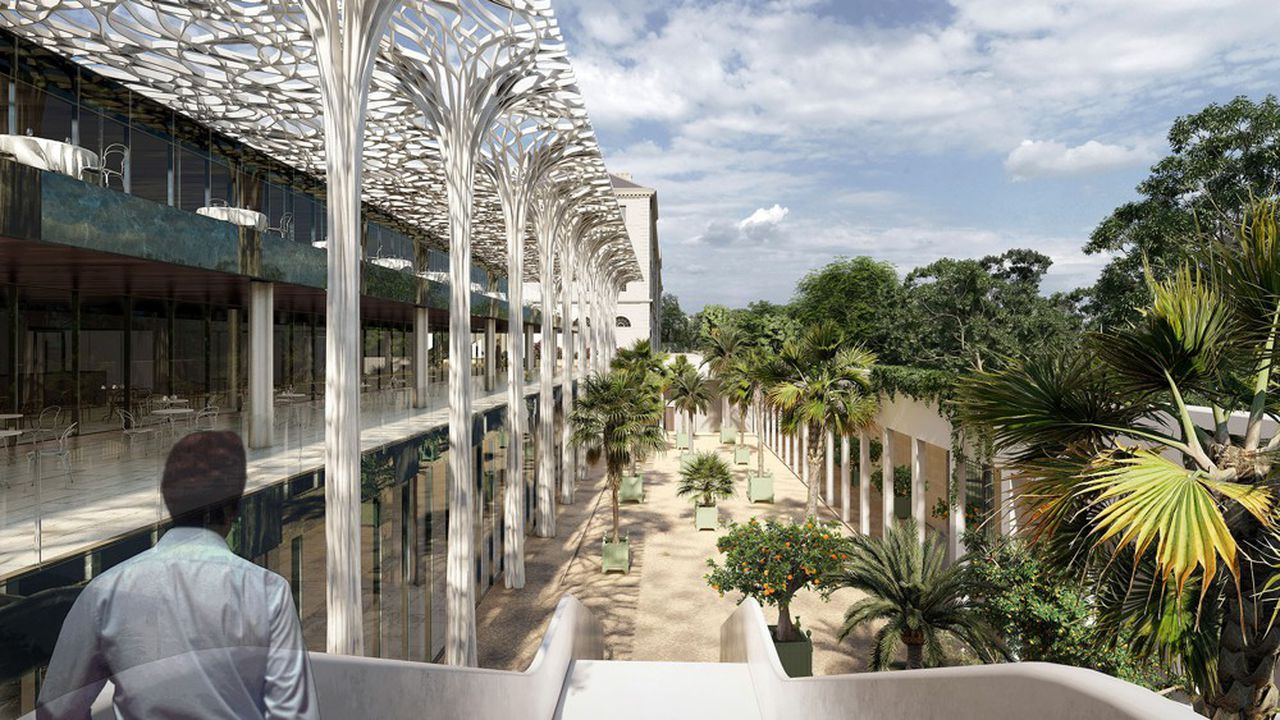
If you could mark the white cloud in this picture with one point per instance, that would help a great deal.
(760, 227)
(1039, 158)
(728, 105)
(764, 217)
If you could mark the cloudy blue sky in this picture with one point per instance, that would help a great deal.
(782, 134)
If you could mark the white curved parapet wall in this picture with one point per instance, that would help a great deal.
(358, 687)
(355, 687)
(1042, 691)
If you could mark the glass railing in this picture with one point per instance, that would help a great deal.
(58, 499)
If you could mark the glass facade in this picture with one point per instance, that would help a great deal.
(404, 521)
(89, 357)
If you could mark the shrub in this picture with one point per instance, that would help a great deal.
(772, 561)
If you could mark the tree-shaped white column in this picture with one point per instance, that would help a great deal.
(552, 202)
(568, 456)
(346, 35)
(521, 151)
(465, 65)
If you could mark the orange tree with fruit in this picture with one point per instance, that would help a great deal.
(772, 561)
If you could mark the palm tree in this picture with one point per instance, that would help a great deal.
(707, 478)
(723, 346)
(614, 419)
(1149, 498)
(640, 357)
(689, 391)
(822, 384)
(919, 598)
(743, 383)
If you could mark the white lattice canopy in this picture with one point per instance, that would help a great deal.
(247, 69)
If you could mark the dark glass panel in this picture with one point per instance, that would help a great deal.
(150, 163)
(221, 181)
(102, 362)
(104, 96)
(8, 384)
(148, 353)
(45, 369)
(304, 208)
(193, 179)
(43, 114)
(5, 85)
(252, 191)
(47, 70)
(190, 353)
(220, 359)
(8, 54)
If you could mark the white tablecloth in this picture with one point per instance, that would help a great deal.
(236, 216)
(393, 263)
(48, 154)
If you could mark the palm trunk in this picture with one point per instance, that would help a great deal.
(759, 440)
(786, 631)
(915, 655)
(1247, 643)
(814, 459)
(614, 483)
(690, 431)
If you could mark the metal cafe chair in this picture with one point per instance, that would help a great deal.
(111, 163)
(58, 448)
(133, 430)
(285, 228)
(47, 423)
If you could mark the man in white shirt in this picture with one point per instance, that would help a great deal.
(186, 629)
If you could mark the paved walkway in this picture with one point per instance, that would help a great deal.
(663, 610)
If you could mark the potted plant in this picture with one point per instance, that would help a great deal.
(771, 562)
(689, 391)
(759, 487)
(631, 488)
(722, 347)
(706, 478)
(741, 455)
(615, 418)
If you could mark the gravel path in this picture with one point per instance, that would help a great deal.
(662, 610)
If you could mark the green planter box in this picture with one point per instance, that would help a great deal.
(728, 437)
(706, 518)
(741, 455)
(616, 557)
(682, 441)
(632, 489)
(796, 656)
(760, 487)
(901, 507)
(685, 459)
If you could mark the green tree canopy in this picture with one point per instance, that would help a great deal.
(858, 294)
(958, 315)
(677, 332)
(766, 325)
(1221, 157)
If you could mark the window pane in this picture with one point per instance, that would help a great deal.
(42, 114)
(221, 184)
(149, 166)
(193, 179)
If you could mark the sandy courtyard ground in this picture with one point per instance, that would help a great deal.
(664, 609)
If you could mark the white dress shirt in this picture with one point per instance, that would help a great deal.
(184, 630)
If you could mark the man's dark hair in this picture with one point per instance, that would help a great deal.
(205, 471)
